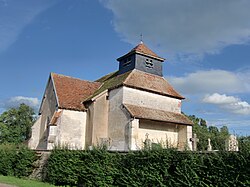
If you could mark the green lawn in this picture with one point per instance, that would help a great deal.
(22, 182)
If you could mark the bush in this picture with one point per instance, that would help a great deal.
(148, 168)
(16, 160)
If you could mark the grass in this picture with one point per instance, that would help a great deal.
(22, 182)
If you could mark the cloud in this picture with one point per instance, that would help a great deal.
(15, 15)
(230, 103)
(14, 102)
(183, 28)
(212, 81)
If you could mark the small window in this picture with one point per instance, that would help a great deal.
(127, 62)
(149, 63)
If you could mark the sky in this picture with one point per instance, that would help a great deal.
(206, 45)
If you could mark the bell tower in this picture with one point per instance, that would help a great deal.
(141, 58)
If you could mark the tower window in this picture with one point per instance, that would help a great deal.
(127, 62)
(149, 63)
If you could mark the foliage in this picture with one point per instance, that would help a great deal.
(161, 167)
(16, 160)
(22, 182)
(15, 124)
(218, 137)
(244, 143)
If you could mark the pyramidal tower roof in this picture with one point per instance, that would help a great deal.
(142, 49)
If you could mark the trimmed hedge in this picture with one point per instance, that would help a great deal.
(16, 160)
(148, 168)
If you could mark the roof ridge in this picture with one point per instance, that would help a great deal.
(67, 76)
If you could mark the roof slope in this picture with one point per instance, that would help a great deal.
(150, 82)
(138, 80)
(72, 91)
(158, 115)
(144, 50)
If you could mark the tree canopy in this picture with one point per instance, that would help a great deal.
(217, 136)
(15, 124)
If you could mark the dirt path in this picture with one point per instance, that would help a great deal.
(6, 185)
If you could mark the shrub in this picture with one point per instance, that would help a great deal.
(16, 160)
(160, 167)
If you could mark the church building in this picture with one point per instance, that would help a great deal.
(125, 110)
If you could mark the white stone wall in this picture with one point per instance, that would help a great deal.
(35, 134)
(150, 100)
(71, 129)
(158, 132)
(128, 134)
(189, 136)
(48, 107)
(118, 129)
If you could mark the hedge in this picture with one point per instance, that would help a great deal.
(161, 167)
(16, 160)
(148, 168)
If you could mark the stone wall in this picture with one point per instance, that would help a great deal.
(71, 129)
(151, 100)
(118, 130)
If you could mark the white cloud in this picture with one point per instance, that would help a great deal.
(184, 28)
(14, 102)
(15, 15)
(230, 103)
(212, 81)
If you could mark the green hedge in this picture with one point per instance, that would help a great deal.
(148, 168)
(16, 160)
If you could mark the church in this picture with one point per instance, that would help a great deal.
(125, 110)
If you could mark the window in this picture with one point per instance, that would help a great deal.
(127, 62)
(149, 63)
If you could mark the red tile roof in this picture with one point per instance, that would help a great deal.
(138, 80)
(151, 82)
(55, 117)
(143, 49)
(157, 115)
(72, 91)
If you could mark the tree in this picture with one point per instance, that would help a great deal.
(15, 124)
(218, 137)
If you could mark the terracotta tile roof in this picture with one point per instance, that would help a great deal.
(150, 82)
(55, 117)
(138, 80)
(142, 49)
(158, 115)
(110, 82)
(72, 91)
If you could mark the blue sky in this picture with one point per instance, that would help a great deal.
(206, 44)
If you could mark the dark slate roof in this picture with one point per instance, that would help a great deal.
(72, 91)
(157, 115)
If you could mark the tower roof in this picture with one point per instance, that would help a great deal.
(142, 49)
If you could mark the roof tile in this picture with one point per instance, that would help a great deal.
(158, 115)
(150, 82)
(142, 48)
(72, 91)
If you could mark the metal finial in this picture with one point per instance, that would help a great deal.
(141, 39)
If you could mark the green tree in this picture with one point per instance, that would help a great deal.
(203, 132)
(15, 124)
